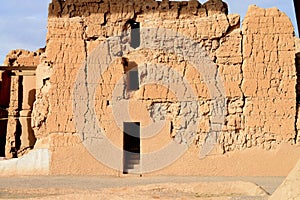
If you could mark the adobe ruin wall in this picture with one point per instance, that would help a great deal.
(256, 64)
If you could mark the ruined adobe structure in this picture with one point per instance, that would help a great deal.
(256, 63)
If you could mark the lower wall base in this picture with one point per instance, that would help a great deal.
(35, 162)
(73, 159)
(249, 162)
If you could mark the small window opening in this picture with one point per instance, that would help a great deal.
(135, 36)
(133, 80)
(132, 74)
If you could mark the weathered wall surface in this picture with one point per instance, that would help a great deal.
(269, 77)
(269, 80)
(256, 64)
(86, 25)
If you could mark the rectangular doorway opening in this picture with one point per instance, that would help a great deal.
(131, 147)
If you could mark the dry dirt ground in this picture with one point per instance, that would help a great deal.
(134, 187)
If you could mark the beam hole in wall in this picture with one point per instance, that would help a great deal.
(134, 28)
(132, 75)
(133, 80)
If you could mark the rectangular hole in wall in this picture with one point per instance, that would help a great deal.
(135, 34)
(131, 146)
(133, 80)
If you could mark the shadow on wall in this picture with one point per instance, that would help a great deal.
(24, 137)
(297, 61)
(298, 75)
(5, 84)
(31, 136)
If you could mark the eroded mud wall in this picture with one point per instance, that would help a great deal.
(256, 64)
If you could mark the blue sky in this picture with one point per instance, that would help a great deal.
(23, 23)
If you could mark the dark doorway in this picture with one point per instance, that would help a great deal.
(5, 86)
(131, 146)
(3, 130)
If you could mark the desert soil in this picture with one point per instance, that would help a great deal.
(135, 187)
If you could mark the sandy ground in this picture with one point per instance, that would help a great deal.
(134, 187)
